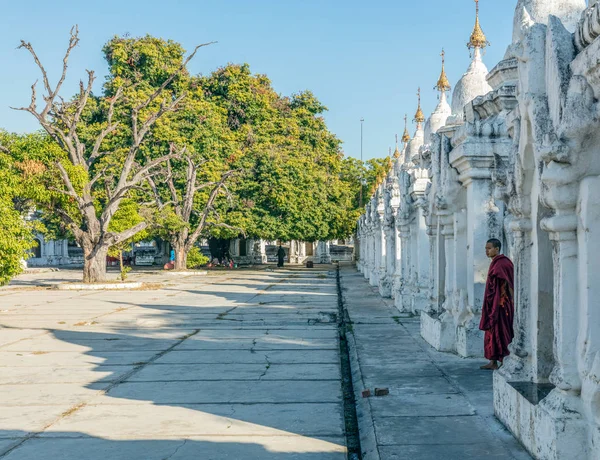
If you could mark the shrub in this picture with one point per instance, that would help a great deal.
(195, 258)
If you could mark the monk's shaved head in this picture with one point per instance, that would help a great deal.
(496, 243)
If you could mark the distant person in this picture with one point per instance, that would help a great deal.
(280, 256)
(498, 306)
(171, 264)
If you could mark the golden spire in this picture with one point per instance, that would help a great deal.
(405, 136)
(396, 152)
(478, 39)
(419, 116)
(443, 84)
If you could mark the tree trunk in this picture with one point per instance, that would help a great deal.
(121, 265)
(180, 256)
(94, 263)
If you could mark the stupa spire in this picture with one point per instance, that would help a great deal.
(443, 84)
(478, 39)
(406, 135)
(396, 152)
(419, 116)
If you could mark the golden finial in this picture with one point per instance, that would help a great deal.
(478, 39)
(396, 152)
(419, 116)
(405, 136)
(443, 84)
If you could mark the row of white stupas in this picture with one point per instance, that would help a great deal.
(516, 157)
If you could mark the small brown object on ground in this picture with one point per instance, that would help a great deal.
(382, 391)
(366, 393)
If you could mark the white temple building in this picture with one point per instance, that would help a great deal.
(515, 157)
(64, 253)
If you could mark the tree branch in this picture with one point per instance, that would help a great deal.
(224, 225)
(208, 207)
(73, 42)
(67, 181)
(96, 153)
(121, 190)
(114, 238)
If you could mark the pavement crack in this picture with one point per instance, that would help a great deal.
(221, 316)
(267, 367)
(252, 349)
(176, 450)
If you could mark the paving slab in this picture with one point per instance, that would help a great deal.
(439, 406)
(148, 420)
(82, 358)
(205, 448)
(15, 421)
(393, 431)
(421, 405)
(49, 394)
(470, 451)
(248, 356)
(55, 374)
(218, 372)
(186, 392)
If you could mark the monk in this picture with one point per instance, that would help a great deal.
(498, 307)
(280, 256)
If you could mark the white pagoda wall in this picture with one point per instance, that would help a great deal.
(521, 164)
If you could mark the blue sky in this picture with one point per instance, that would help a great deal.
(362, 59)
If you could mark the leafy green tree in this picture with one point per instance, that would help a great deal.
(21, 164)
(103, 139)
(291, 186)
(186, 189)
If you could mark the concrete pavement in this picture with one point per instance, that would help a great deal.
(240, 364)
(440, 406)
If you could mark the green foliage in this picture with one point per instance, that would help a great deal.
(370, 173)
(124, 272)
(290, 179)
(127, 216)
(16, 240)
(292, 186)
(21, 164)
(195, 258)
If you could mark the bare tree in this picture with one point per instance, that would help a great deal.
(61, 120)
(182, 201)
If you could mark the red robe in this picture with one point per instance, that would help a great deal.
(498, 309)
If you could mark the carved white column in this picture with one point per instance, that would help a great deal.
(260, 254)
(397, 282)
(374, 275)
(404, 301)
(518, 366)
(563, 232)
(421, 299)
(323, 252)
(484, 221)
(450, 254)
